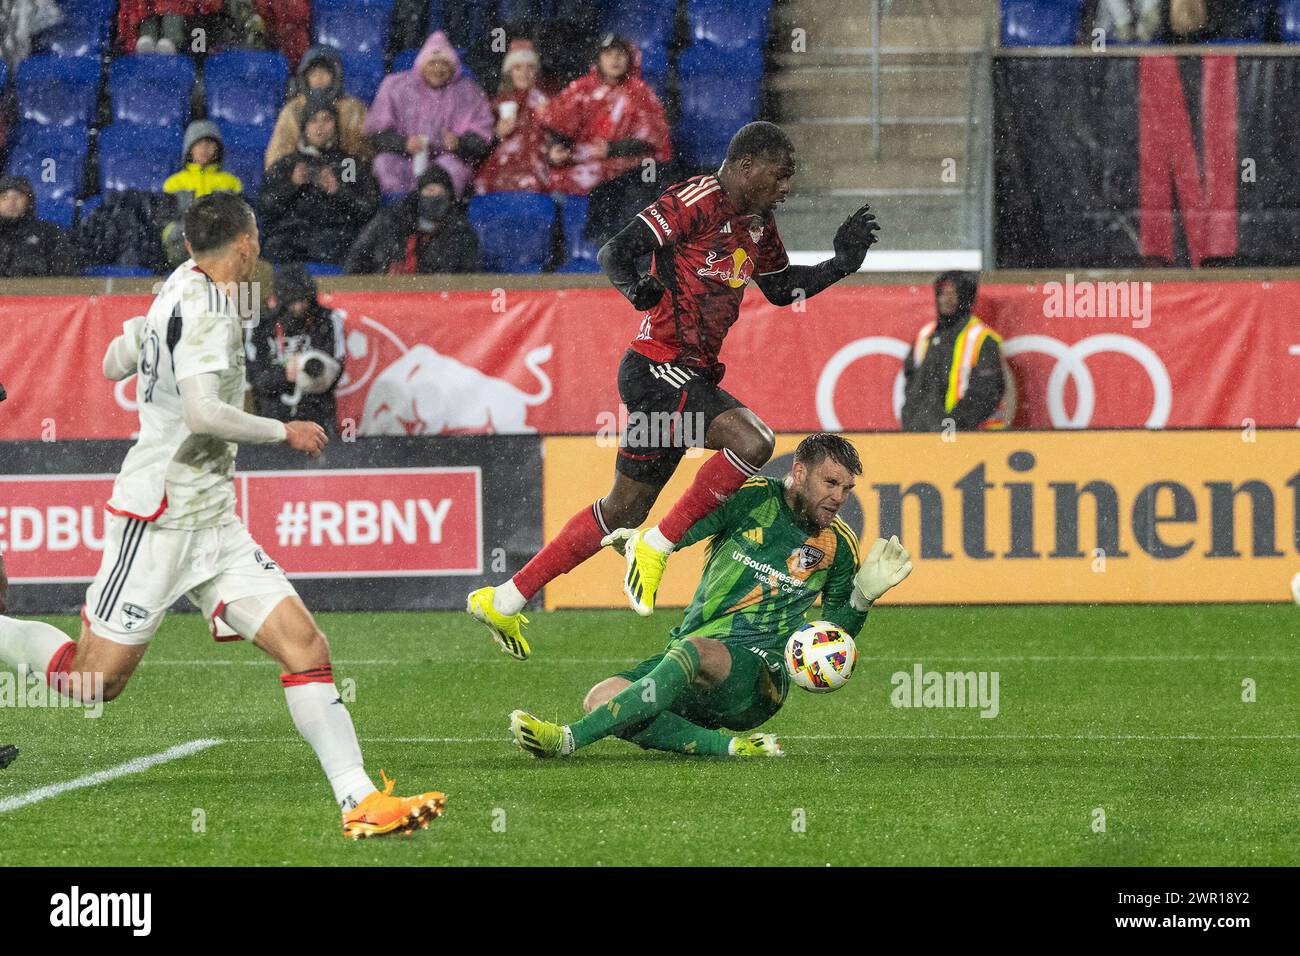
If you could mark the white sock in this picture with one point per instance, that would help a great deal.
(506, 598)
(29, 646)
(322, 718)
(655, 538)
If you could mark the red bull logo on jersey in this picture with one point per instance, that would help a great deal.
(735, 270)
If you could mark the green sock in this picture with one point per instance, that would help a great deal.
(642, 700)
(671, 732)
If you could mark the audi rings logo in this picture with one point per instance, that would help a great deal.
(1071, 365)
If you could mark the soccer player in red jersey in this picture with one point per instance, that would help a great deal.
(709, 236)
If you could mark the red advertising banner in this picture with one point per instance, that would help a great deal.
(1083, 353)
(345, 523)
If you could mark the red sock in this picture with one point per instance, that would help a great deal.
(60, 664)
(714, 483)
(577, 541)
(316, 675)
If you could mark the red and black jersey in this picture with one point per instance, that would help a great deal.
(708, 251)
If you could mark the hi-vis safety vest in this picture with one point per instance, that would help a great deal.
(965, 356)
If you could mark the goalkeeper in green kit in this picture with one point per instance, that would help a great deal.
(774, 546)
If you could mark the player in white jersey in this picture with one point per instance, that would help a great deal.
(173, 531)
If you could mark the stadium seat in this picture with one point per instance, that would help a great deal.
(514, 230)
(83, 32)
(1040, 22)
(117, 272)
(248, 165)
(58, 90)
(88, 205)
(4, 75)
(56, 173)
(323, 269)
(137, 157)
(703, 69)
(245, 86)
(577, 250)
(352, 26)
(1251, 23)
(649, 23)
(151, 90)
(727, 24)
(52, 139)
(249, 137)
(362, 73)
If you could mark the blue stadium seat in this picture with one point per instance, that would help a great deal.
(1288, 21)
(323, 269)
(1040, 22)
(649, 23)
(83, 32)
(351, 26)
(362, 73)
(88, 205)
(151, 90)
(117, 272)
(4, 75)
(56, 174)
(249, 137)
(573, 218)
(728, 24)
(57, 90)
(704, 69)
(248, 165)
(137, 157)
(514, 230)
(52, 139)
(245, 86)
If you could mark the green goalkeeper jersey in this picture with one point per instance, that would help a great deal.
(764, 570)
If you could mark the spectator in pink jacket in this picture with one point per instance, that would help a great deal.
(430, 113)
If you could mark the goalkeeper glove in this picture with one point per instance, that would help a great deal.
(645, 292)
(855, 236)
(886, 564)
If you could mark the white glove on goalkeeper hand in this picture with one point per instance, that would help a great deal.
(617, 539)
(886, 564)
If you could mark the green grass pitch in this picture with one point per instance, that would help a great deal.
(1136, 713)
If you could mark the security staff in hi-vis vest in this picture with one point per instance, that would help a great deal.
(955, 372)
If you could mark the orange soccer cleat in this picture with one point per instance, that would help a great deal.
(382, 813)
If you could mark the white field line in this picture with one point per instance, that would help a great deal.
(136, 765)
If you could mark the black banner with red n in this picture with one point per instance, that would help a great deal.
(1112, 162)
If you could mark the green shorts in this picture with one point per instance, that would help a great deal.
(751, 695)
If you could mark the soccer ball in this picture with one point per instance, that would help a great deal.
(820, 656)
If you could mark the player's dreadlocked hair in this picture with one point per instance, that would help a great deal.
(816, 448)
(761, 140)
(216, 220)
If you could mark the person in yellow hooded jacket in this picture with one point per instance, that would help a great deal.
(201, 153)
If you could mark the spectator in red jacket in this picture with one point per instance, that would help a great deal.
(517, 163)
(603, 124)
(166, 26)
(602, 128)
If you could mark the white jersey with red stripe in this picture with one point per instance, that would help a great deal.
(172, 476)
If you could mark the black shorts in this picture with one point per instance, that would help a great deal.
(669, 409)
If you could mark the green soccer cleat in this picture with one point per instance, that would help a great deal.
(507, 629)
(645, 568)
(541, 738)
(756, 745)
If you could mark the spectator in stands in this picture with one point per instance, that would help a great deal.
(320, 69)
(19, 23)
(425, 232)
(601, 129)
(954, 376)
(159, 26)
(30, 246)
(201, 155)
(315, 201)
(167, 26)
(295, 354)
(286, 21)
(517, 163)
(431, 113)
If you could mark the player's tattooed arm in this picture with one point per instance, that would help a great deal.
(619, 257)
